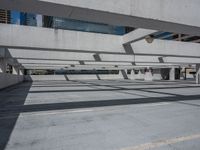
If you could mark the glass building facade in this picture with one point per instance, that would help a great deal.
(69, 24)
(28, 19)
(5, 16)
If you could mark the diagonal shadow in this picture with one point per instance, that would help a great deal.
(8, 100)
(89, 104)
(114, 88)
(10, 109)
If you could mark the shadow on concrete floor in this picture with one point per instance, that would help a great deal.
(15, 110)
(12, 105)
(7, 124)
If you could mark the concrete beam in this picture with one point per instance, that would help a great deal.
(3, 65)
(85, 63)
(166, 48)
(136, 35)
(67, 56)
(73, 41)
(79, 67)
(50, 55)
(56, 39)
(157, 65)
(197, 73)
(32, 56)
(32, 61)
(163, 15)
(182, 60)
(172, 74)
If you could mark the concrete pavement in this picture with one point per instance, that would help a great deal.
(100, 115)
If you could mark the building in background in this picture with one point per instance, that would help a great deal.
(15, 17)
(28, 19)
(5, 16)
(69, 24)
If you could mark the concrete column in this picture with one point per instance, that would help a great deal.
(172, 74)
(157, 74)
(139, 76)
(148, 76)
(3, 65)
(16, 70)
(124, 74)
(132, 75)
(185, 71)
(21, 71)
(197, 73)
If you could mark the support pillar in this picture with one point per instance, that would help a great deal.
(140, 75)
(16, 70)
(124, 74)
(132, 76)
(172, 74)
(3, 65)
(185, 77)
(21, 71)
(148, 76)
(197, 73)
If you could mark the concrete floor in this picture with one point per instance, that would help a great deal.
(100, 115)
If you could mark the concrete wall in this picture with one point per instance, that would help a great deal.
(71, 77)
(87, 77)
(9, 79)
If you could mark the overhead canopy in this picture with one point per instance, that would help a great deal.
(43, 47)
(163, 15)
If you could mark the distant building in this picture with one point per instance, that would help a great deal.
(69, 24)
(28, 19)
(5, 16)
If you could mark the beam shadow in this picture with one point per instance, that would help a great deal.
(10, 109)
(113, 89)
(7, 124)
(89, 104)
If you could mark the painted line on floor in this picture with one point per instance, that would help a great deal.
(160, 143)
